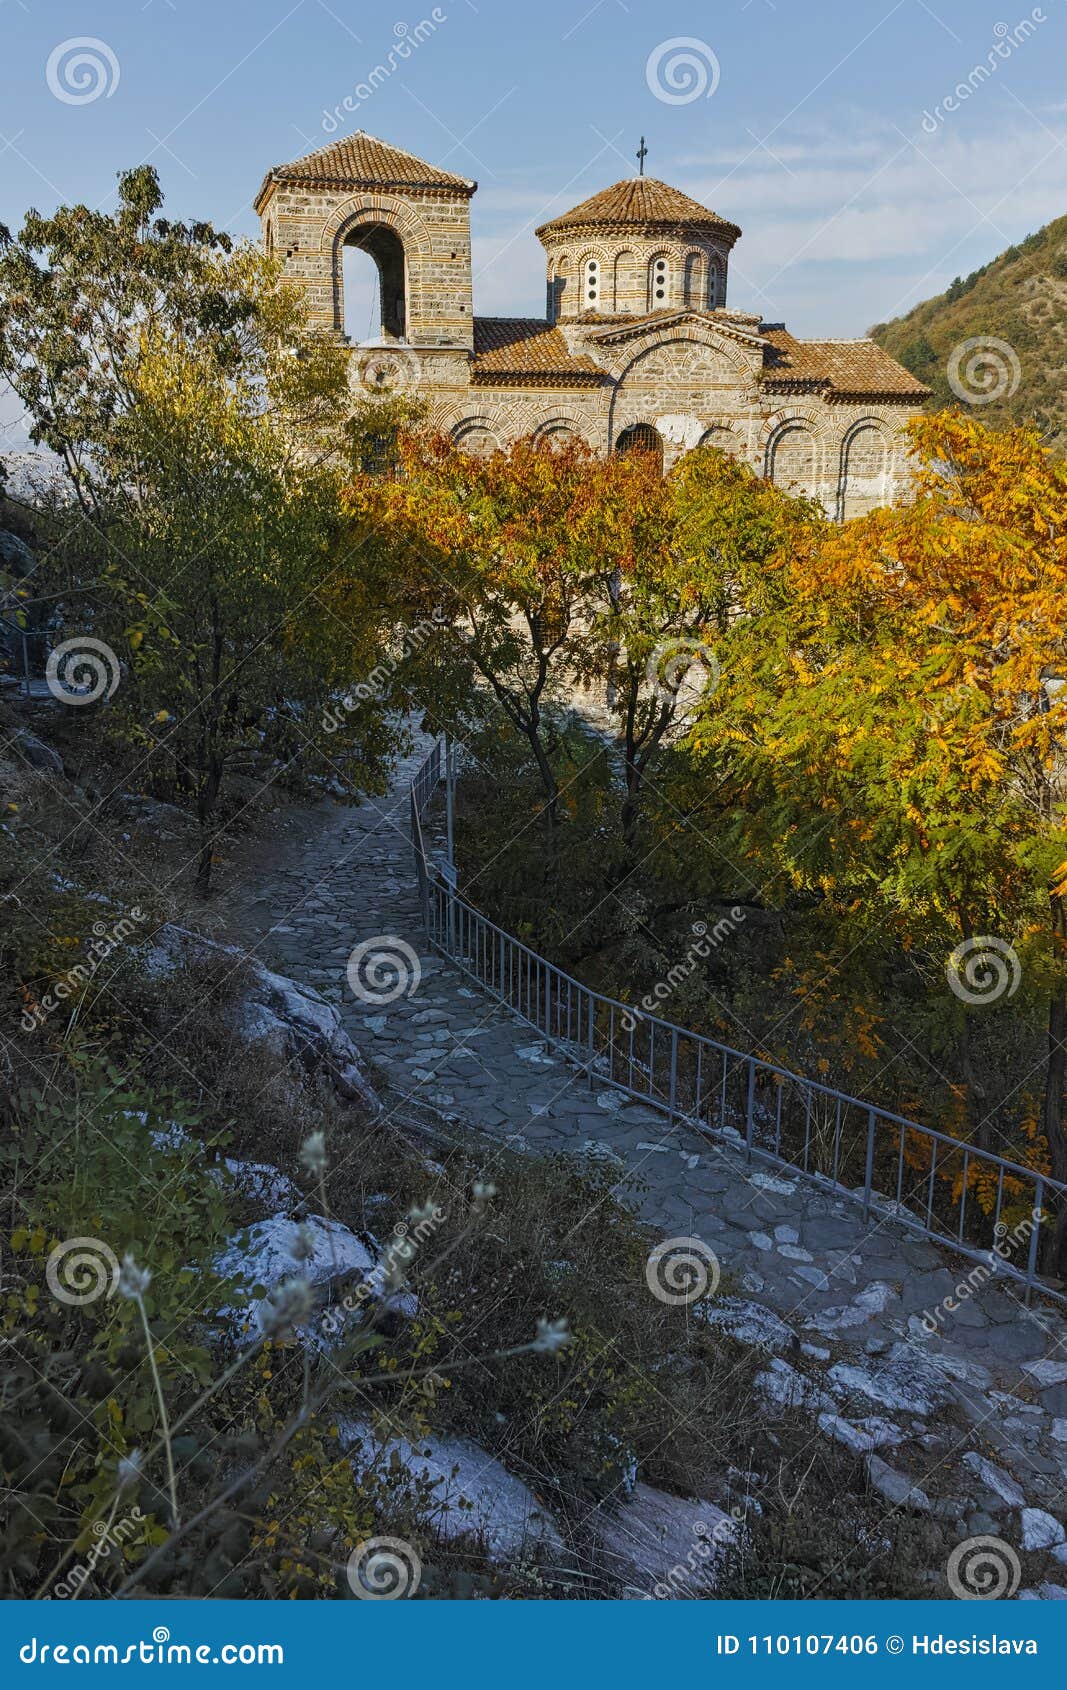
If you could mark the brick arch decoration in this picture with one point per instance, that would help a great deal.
(480, 428)
(367, 209)
(569, 423)
(716, 289)
(627, 407)
(510, 422)
(600, 253)
(803, 420)
(853, 499)
(725, 438)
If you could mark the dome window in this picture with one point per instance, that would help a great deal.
(592, 282)
(657, 283)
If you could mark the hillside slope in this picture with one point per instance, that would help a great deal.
(1019, 298)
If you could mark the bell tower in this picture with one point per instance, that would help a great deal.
(412, 219)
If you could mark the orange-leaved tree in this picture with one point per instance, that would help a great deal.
(899, 715)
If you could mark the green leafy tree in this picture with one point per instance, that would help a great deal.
(202, 427)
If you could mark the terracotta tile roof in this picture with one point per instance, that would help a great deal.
(842, 369)
(639, 201)
(361, 161)
(528, 350)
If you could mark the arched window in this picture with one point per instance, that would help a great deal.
(591, 284)
(695, 288)
(557, 288)
(658, 281)
(716, 290)
(641, 437)
(373, 284)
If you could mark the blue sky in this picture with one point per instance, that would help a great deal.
(818, 125)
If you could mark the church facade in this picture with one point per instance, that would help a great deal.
(639, 345)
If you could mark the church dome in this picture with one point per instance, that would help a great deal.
(633, 249)
(641, 204)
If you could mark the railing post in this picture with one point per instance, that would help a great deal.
(591, 1037)
(1031, 1263)
(450, 804)
(674, 1076)
(750, 1107)
(868, 1171)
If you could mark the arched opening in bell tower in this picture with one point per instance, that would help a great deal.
(373, 276)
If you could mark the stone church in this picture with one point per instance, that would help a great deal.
(639, 345)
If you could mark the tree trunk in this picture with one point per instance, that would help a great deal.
(206, 800)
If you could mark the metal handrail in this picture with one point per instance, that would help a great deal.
(777, 1116)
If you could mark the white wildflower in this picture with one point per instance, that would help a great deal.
(552, 1335)
(303, 1245)
(133, 1281)
(313, 1154)
(129, 1474)
(288, 1305)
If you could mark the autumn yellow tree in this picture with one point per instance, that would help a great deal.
(896, 716)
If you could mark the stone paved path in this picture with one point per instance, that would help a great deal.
(976, 1416)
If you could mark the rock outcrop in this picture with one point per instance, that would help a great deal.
(292, 1021)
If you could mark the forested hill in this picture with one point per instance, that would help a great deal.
(1019, 299)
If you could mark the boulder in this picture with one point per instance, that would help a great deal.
(750, 1323)
(905, 1380)
(15, 554)
(784, 1387)
(863, 1436)
(270, 1252)
(36, 753)
(895, 1487)
(470, 1491)
(1040, 1530)
(293, 1021)
(1046, 1372)
(262, 1183)
(663, 1547)
(994, 1479)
